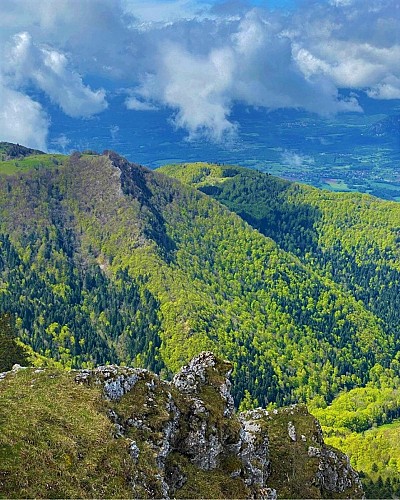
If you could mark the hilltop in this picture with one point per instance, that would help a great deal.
(122, 432)
(9, 151)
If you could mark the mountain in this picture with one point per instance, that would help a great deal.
(105, 261)
(389, 126)
(9, 151)
(118, 432)
(351, 238)
(354, 240)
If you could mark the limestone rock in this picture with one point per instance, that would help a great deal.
(177, 432)
(116, 380)
(254, 451)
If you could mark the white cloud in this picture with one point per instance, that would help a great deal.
(22, 119)
(269, 76)
(293, 159)
(135, 104)
(200, 61)
(199, 89)
(114, 129)
(152, 11)
(388, 89)
(349, 64)
(61, 143)
(48, 70)
(254, 65)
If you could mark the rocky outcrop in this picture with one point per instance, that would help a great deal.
(186, 440)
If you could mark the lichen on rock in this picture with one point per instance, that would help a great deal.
(186, 439)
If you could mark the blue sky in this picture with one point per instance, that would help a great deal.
(195, 59)
(167, 10)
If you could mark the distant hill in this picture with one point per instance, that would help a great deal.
(389, 126)
(10, 151)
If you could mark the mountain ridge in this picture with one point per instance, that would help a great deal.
(352, 238)
(217, 282)
(104, 261)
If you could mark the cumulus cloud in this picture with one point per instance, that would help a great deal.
(137, 105)
(255, 65)
(48, 70)
(198, 88)
(387, 89)
(22, 120)
(200, 60)
(269, 75)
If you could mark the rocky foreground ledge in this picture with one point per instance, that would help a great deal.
(189, 427)
(178, 439)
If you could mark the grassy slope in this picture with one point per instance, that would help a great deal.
(35, 161)
(56, 440)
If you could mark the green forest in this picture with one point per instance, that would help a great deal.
(103, 261)
(354, 240)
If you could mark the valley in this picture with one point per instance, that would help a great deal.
(104, 261)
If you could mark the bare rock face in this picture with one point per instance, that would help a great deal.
(206, 386)
(116, 380)
(206, 370)
(186, 440)
(254, 450)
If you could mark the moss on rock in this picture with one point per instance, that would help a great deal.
(123, 432)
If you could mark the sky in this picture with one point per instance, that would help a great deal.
(196, 59)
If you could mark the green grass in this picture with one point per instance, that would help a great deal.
(201, 173)
(56, 440)
(12, 167)
(292, 470)
(205, 484)
(335, 185)
(289, 473)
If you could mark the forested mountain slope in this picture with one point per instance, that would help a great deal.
(352, 238)
(9, 151)
(364, 423)
(105, 261)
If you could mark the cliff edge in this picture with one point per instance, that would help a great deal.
(123, 432)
